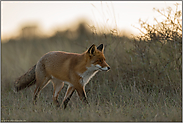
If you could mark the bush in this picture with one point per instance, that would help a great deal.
(157, 53)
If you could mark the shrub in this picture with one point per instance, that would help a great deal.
(158, 51)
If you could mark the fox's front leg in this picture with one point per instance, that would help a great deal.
(82, 94)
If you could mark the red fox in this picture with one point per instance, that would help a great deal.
(61, 67)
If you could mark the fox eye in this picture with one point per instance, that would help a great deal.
(100, 60)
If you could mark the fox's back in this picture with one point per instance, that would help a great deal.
(58, 64)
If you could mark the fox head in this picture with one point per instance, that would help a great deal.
(97, 58)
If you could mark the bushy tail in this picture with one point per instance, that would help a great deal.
(26, 80)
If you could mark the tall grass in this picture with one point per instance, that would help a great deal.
(144, 83)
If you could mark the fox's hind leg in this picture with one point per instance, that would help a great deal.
(57, 85)
(39, 87)
(42, 79)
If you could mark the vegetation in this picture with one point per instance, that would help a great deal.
(144, 83)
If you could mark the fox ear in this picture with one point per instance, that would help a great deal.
(92, 50)
(101, 47)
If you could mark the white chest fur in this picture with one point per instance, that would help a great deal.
(88, 74)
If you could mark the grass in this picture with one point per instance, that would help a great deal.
(112, 97)
(105, 105)
(144, 83)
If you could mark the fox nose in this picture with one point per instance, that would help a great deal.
(108, 68)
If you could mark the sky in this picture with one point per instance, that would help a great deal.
(64, 14)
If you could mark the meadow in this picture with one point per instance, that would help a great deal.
(144, 83)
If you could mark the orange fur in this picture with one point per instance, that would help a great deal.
(74, 69)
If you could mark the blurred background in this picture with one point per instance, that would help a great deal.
(45, 17)
(143, 46)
